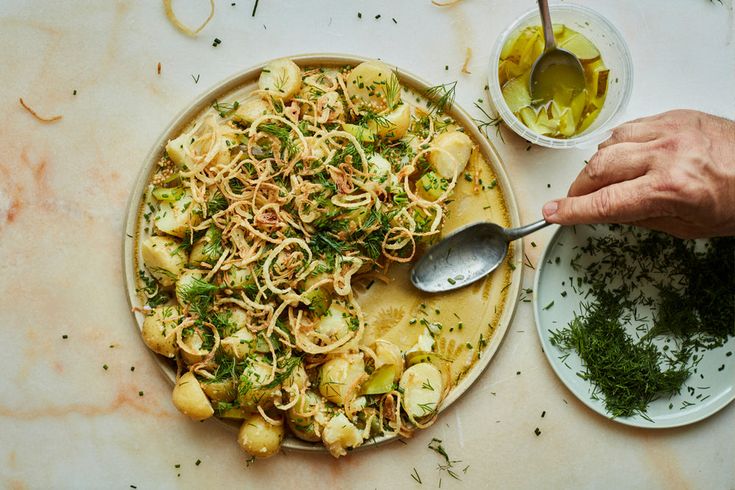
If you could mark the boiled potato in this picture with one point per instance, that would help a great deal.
(220, 391)
(281, 78)
(250, 110)
(238, 277)
(177, 150)
(239, 344)
(341, 376)
(189, 398)
(336, 322)
(237, 317)
(185, 284)
(259, 438)
(208, 248)
(194, 342)
(339, 434)
(300, 419)
(251, 391)
(374, 86)
(382, 171)
(174, 218)
(394, 124)
(297, 377)
(158, 330)
(422, 387)
(450, 153)
(164, 258)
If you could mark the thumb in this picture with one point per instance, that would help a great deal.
(623, 202)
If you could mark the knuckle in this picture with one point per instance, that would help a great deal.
(668, 145)
(595, 169)
(603, 203)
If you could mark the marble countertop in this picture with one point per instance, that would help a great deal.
(84, 404)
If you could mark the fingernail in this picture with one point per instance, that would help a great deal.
(550, 208)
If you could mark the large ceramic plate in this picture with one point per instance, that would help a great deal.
(708, 390)
(485, 309)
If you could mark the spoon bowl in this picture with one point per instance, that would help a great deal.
(556, 69)
(466, 255)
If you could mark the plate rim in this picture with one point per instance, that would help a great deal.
(248, 75)
(556, 366)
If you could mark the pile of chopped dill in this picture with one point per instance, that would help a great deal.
(687, 286)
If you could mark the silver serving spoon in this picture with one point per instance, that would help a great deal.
(556, 68)
(466, 255)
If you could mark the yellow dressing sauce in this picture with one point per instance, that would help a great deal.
(570, 112)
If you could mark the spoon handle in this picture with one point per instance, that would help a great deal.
(515, 233)
(549, 41)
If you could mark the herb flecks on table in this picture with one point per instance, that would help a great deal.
(693, 309)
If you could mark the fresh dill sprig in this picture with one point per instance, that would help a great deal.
(213, 246)
(436, 446)
(151, 290)
(216, 203)
(225, 109)
(489, 122)
(287, 367)
(379, 120)
(392, 91)
(441, 97)
(283, 134)
(199, 294)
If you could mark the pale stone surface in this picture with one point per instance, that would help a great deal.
(65, 422)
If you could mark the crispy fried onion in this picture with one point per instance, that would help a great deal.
(179, 25)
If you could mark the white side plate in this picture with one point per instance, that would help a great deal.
(709, 389)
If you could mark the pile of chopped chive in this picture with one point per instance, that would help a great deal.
(691, 299)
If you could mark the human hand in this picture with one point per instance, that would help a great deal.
(674, 172)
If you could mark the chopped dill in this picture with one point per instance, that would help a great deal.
(693, 307)
(224, 109)
(155, 297)
(441, 97)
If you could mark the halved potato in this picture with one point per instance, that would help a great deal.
(158, 330)
(259, 438)
(250, 110)
(163, 258)
(190, 399)
(301, 417)
(281, 78)
(394, 124)
(450, 153)
(422, 387)
(339, 376)
(174, 218)
(373, 85)
(339, 434)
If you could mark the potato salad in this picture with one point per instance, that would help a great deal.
(263, 219)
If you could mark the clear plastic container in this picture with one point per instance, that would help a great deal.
(615, 54)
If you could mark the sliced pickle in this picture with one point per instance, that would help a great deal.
(381, 381)
(581, 47)
(570, 112)
(516, 94)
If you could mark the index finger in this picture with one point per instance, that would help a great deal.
(623, 202)
(638, 131)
